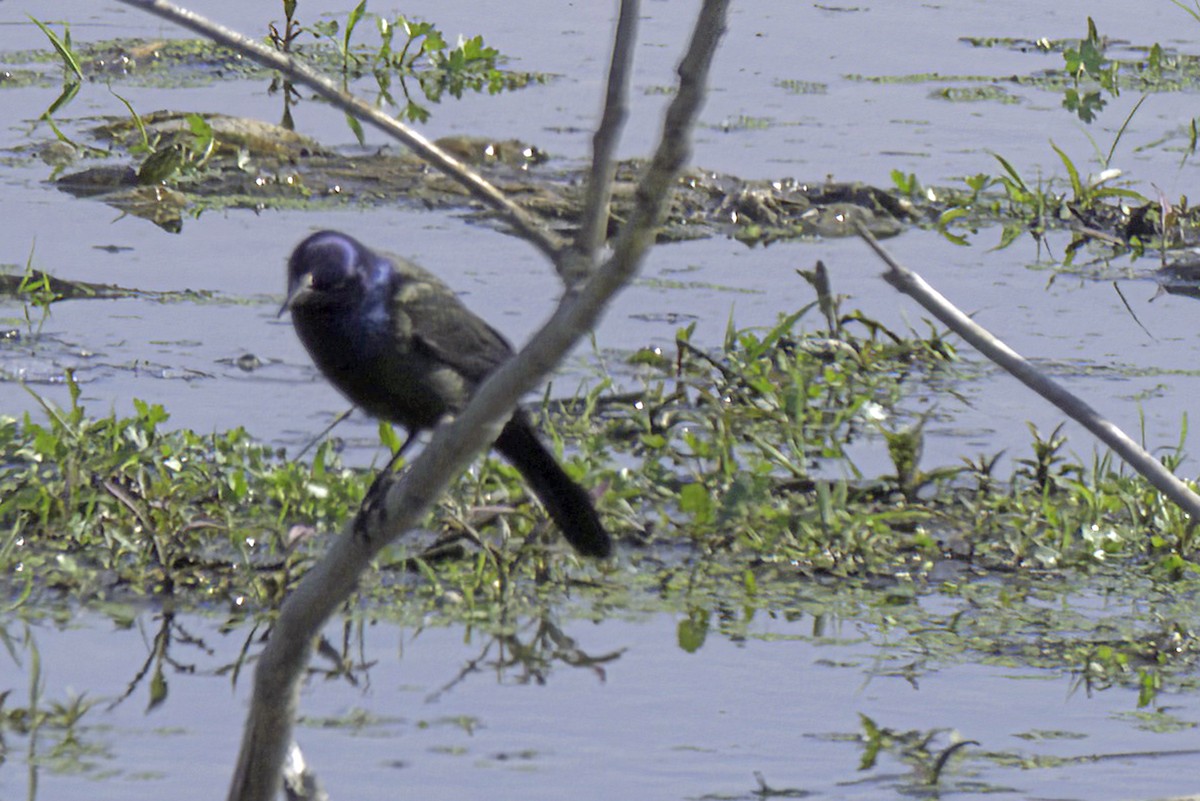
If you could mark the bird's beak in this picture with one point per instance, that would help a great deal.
(299, 292)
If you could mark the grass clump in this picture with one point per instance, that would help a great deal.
(742, 455)
(728, 476)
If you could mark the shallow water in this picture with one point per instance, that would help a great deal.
(443, 714)
(658, 722)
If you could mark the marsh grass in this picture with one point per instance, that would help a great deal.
(739, 455)
(726, 477)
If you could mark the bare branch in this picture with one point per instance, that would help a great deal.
(675, 144)
(594, 228)
(526, 225)
(268, 734)
(986, 343)
(404, 501)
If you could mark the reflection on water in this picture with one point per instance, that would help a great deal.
(616, 709)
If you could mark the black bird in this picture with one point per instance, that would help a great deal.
(400, 344)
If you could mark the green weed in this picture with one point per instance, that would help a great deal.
(410, 55)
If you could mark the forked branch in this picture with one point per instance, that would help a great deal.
(403, 502)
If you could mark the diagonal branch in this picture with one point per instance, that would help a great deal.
(594, 229)
(404, 501)
(986, 343)
(526, 225)
(674, 147)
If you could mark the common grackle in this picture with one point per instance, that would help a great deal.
(400, 344)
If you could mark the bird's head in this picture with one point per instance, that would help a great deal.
(331, 269)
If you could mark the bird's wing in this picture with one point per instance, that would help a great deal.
(444, 328)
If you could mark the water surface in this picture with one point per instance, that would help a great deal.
(657, 722)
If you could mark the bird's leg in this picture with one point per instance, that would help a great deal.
(378, 488)
(390, 467)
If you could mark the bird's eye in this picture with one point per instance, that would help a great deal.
(328, 276)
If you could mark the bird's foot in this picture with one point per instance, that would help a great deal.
(375, 501)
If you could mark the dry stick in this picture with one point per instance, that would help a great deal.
(322, 591)
(527, 226)
(982, 340)
(594, 230)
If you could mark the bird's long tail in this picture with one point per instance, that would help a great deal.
(568, 503)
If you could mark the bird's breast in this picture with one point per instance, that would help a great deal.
(369, 358)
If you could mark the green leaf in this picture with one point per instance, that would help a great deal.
(905, 183)
(1118, 191)
(1009, 234)
(1012, 173)
(873, 737)
(1072, 173)
(433, 39)
(696, 500)
(327, 28)
(1149, 684)
(137, 120)
(1195, 14)
(351, 23)
(356, 128)
(390, 439)
(66, 96)
(204, 140)
(158, 688)
(199, 126)
(63, 49)
(693, 630)
(749, 582)
(950, 215)
(654, 441)
(978, 182)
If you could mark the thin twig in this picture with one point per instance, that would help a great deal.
(674, 146)
(986, 343)
(526, 225)
(604, 144)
